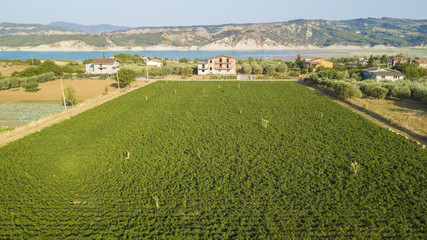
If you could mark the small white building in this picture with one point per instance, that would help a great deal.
(382, 74)
(155, 63)
(222, 65)
(103, 66)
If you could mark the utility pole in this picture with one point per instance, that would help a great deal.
(63, 95)
(118, 82)
(147, 67)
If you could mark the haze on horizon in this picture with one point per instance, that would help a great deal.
(190, 12)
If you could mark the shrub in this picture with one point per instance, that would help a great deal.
(294, 74)
(247, 69)
(3, 84)
(256, 69)
(347, 90)
(374, 90)
(70, 95)
(379, 92)
(126, 76)
(421, 94)
(13, 82)
(401, 92)
(31, 86)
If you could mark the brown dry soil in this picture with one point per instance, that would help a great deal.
(7, 72)
(411, 115)
(51, 91)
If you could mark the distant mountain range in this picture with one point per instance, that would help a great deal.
(89, 29)
(367, 32)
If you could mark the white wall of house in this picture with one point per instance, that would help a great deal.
(203, 68)
(102, 68)
(380, 77)
(154, 64)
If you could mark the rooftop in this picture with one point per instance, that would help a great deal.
(421, 60)
(383, 71)
(103, 60)
(223, 55)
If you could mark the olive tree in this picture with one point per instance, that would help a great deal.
(126, 76)
(70, 95)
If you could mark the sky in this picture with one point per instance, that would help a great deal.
(141, 13)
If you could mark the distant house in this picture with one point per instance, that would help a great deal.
(422, 62)
(397, 60)
(382, 74)
(363, 61)
(155, 62)
(317, 62)
(103, 66)
(223, 65)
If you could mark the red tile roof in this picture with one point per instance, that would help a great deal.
(103, 60)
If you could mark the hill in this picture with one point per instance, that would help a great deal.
(16, 29)
(89, 29)
(369, 32)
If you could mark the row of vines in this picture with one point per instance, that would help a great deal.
(217, 160)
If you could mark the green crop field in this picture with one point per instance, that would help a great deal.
(183, 160)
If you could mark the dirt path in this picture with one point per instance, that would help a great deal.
(40, 124)
(374, 117)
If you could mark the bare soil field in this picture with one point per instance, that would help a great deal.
(7, 72)
(51, 91)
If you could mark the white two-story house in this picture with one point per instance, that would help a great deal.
(103, 66)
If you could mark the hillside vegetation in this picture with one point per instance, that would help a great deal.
(216, 160)
(297, 33)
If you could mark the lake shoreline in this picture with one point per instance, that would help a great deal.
(285, 54)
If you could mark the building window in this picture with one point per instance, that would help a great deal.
(203, 65)
(220, 60)
(220, 66)
(203, 70)
(228, 60)
(211, 61)
(210, 68)
(228, 66)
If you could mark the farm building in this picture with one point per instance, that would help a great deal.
(317, 62)
(103, 66)
(155, 62)
(396, 60)
(382, 74)
(223, 65)
(422, 62)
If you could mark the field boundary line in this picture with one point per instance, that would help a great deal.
(42, 123)
(372, 116)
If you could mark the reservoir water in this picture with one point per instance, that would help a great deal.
(285, 54)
